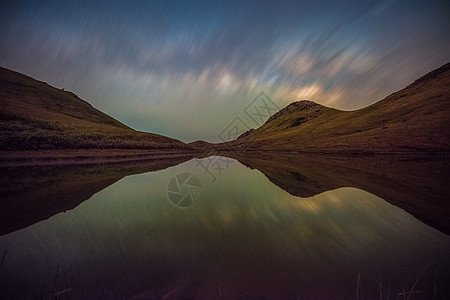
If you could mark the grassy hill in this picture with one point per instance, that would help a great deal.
(35, 115)
(414, 119)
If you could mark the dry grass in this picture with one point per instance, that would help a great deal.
(415, 119)
(36, 116)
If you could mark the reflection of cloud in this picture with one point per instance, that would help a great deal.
(308, 205)
(318, 204)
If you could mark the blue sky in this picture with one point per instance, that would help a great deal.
(187, 69)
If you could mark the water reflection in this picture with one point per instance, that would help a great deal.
(418, 185)
(33, 193)
(244, 237)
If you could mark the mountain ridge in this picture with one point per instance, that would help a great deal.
(413, 119)
(37, 116)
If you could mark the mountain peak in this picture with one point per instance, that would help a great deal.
(412, 120)
(303, 105)
(297, 106)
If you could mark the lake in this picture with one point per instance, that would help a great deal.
(217, 228)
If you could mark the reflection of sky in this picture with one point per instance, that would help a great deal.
(129, 233)
(187, 69)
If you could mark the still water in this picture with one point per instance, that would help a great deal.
(233, 235)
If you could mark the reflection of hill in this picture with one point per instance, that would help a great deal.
(33, 193)
(417, 185)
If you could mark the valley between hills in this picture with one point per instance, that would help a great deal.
(41, 122)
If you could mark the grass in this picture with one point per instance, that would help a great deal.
(37, 116)
(48, 140)
(415, 119)
(62, 287)
(3, 258)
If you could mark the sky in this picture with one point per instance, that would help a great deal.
(187, 69)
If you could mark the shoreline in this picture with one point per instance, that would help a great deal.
(86, 156)
(100, 156)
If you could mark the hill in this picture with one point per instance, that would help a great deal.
(37, 116)
(414, 119)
